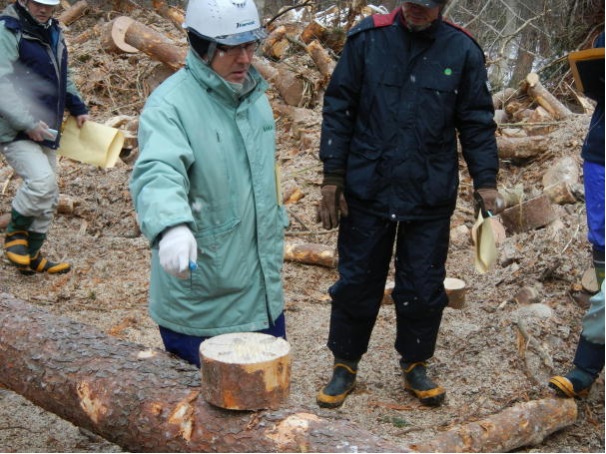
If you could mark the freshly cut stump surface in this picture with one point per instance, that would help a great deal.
(245, 371)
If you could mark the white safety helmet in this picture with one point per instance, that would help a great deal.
(227, 22)
(48, 2)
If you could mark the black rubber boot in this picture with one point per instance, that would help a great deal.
(420, 385)
(343, 382)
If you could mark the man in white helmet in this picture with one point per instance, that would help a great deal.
(36, 89)
(205, 190)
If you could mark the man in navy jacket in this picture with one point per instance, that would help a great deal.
(407, 86)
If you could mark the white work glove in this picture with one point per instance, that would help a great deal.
(177, 249)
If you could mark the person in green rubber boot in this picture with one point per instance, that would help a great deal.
(36, 89)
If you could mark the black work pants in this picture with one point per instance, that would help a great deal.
(366, 245)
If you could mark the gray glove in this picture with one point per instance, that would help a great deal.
(333, 204)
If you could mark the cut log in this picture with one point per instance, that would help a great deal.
(66, 204)
(529, 215)
(527, 423)
(589, 281)
(311, 254)
(128, 35)
(564, 169)
(73, 13)
(539, 93)
(290, 87)
(321, 58)
(245, 371)
(540, 115)
(145, 399)
(314, 30)
(521, 147)
(167, 12)
(455, 290)
(501, 98)
(276, 44)
(560, 193)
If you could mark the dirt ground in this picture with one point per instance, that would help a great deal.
(481, 359)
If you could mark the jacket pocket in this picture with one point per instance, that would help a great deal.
(223, 266)
(364, 171)
(436, 108)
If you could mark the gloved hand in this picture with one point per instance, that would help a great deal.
(333, 204)
(488, 199)
(177, 249)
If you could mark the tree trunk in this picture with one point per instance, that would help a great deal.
(527, 423)
(311, 253)
(541, 95)
(529, 215)
(124, 33)
(73, 12)
(145, 399)
(521, 147)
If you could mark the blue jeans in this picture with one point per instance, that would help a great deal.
(187, 347)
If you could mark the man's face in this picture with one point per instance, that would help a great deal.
(232, 62)
(42, 13)
(419, 17)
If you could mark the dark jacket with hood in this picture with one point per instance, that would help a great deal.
(34, 79)
(392, 111)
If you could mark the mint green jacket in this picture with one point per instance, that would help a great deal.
(207, 159)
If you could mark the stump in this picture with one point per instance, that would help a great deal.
(455, 290)
(245, 371)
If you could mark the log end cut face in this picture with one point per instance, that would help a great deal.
(245, 371)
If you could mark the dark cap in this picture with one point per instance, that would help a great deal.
(428, 3)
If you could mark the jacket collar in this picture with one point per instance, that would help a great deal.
(213, 83)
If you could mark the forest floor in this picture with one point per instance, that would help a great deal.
(481, 358)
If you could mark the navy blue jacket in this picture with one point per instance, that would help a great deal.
(593, 147)
(40, 75)
(392, 110)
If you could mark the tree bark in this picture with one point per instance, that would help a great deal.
(321, 58)
(535, 89)
(521, 147)
(124, 33)
(145, 399)
(310, 253)
(527, 423)
(73, 13)
(290, 87)
(173, 15)
(529, 215)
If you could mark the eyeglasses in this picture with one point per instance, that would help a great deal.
(234, 51)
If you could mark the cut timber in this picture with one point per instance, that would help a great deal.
(521, 147)
(314, 30)
(501, 98)
(126, 34)
(535, 89)
(290, 87)
(527, 423)
(560, 193)
(529, 215)
(245, 371)
(167, 12)
(589, 281)
(321, 58)
(73, 13)
(311, 254)
(455, 290)
(145, 399)
(276, 44)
